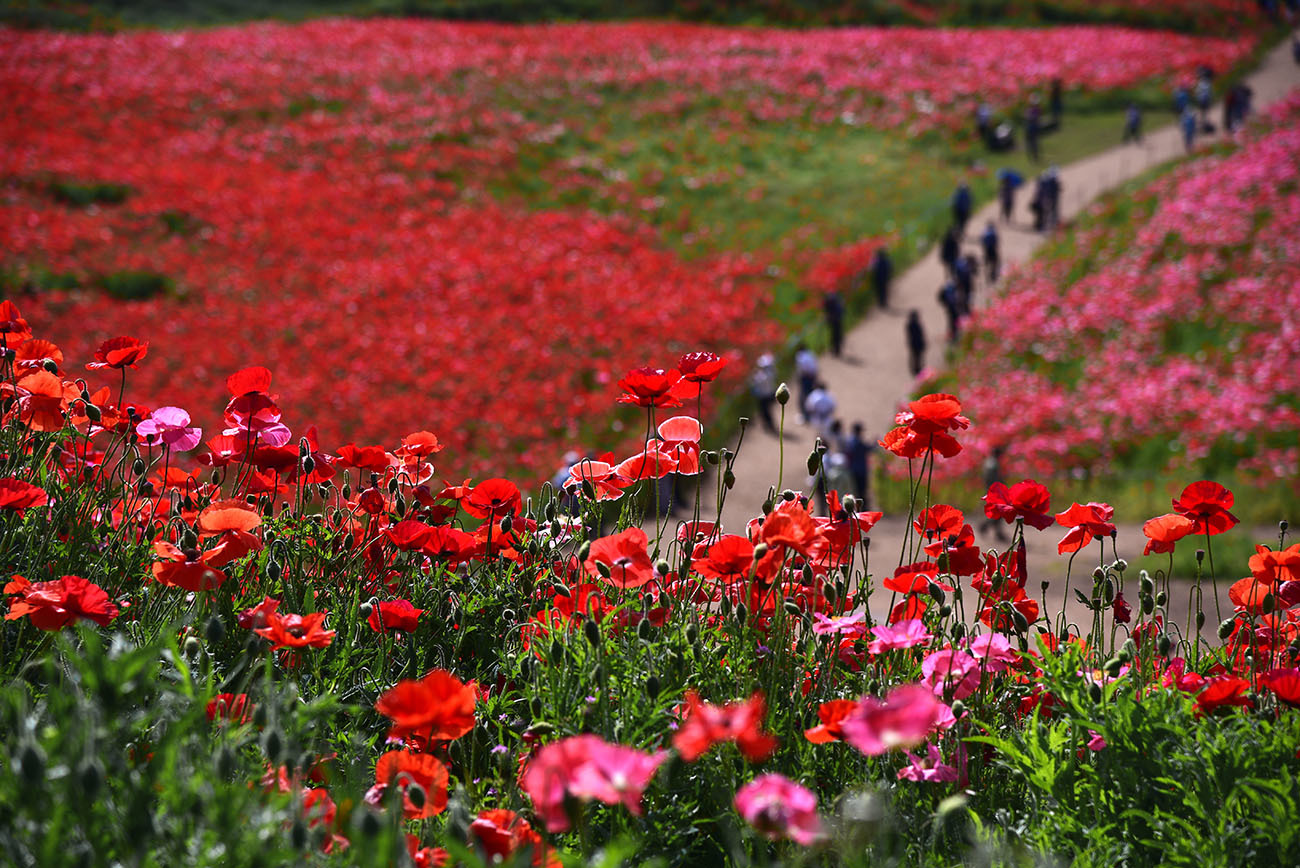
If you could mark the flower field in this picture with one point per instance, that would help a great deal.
(1159, 336)
(282, 653)
(386, 209)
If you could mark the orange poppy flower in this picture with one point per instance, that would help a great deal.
(119, 353)
(402, 768)
(1165, 530)
(437, 707)
(185, 569)
(832, 715)
(705, 725)
(224, 515)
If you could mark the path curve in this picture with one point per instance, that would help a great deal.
(871, 380)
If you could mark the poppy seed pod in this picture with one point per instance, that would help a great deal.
(93, 414)
(652, 687)
(507, 523)
(741, 614)
(1200, 620)
(1164, 644)
(645, 630)
(591, 630)
(783, 394)
(1283, 525)
(729, 480)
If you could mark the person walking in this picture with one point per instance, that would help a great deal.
(1007, 183)
(1188, 124)
(1052, 198)
(961, 208)
(965, 280)
(762, 386)
(1033, 127)
(993, 474)
(882, 272)
(807, 370)
(915, 343)
(1133, 124)
(833, 305)
(857, 449)
(821, 410)
(952, 307)
(1204, 96)
(949, 250)
(991, 244)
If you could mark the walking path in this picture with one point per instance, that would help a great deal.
(871, 379)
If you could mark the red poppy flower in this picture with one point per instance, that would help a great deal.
(908, 608)
(1248, 595)
(939, 521)
(1223, 691)
(963, 556)
(54, 605)
(1026, 499)
(233, 707)
(626, 557)
(118, 353)
(1285, 684)
(226, 515)
(493, 497)
(18, 495)
(419, 444)
(503, 833)
(437, 707)
(933, 414)
(790, 525)
(907, 443)
(449, 545)
(42, 400)
(701, 367)
(249, 380)
(1165, 530)
(13, 327)
(34, 353)
(395, 615)
(296, 631)
(649, 464)
(185, 569)
(257, 616)
(1206, 504)
(600, 475)
(1267, 565)
(729, 559)
(372, 458)
(403, 769)
(832, 715)
(912, 578)
(1085, 521)
(650, 387)
(409, 535)
(705, 725)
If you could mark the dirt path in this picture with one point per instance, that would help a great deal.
(871, 379)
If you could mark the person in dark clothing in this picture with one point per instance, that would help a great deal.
(1230, 109)
(882, 271)
(858, 451)
(1133, 124)
(762, 386)
(952, 307)
(1037, 205)
(993, 474)
(833, 305)
(1007, 195)
(961, 208)
(949, 250)
(1033, 127)
(1052, 198)
(992, 252)
(965, 280)
(915, 342)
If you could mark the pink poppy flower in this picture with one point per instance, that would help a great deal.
(907, 633)
(585, 767)
(1095, 741)
(951, 670)
(932, 769)
(779, 808)
(904, 718)
(171, 427)
(993, 651)
(850, 626)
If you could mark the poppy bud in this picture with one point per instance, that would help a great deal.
(1148, 604)
(724, 606)
(1200, 620)
(1121, 565)
(591, 630)
(729, 479)
(347, 491)
(1128, 650)
(507, 523)
(31, 764)
(1094, 692)
(741, 614)
(744, 422)
(308, 465)
(1161, 599)
(1164, 644)
(273, 746)
(1019, 619)
(1268, 604)
(791, 607)
(416, 794)
(711, 457)
(814, 462)
(535, 709)
(828, 591)
(584, 550)
(192, 647)
(945, 610)
(936, 593)
(138, 467)
(368, 825)
(1226, 627)
(652, 687)
(259, 716)
(958, 708)
(215, 630)
(1147, 586)
(662, 567)
(93, 414)
(225, 763)
(273, 570)
(1109, 596)
(1283, 526)
(1200, 555)
(1098, 574)
(692, 633)
(783, 394)
(958, 632)
(365, 610)
(561, 590)
(298, 833)
(645, 630)
(850, 504)
(603, 569)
